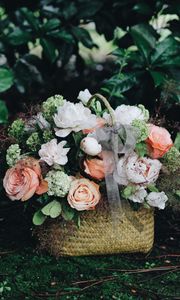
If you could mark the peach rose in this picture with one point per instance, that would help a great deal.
(23, 180)
(96, 168)
(158, 142)
(84, 194)
(100, 123)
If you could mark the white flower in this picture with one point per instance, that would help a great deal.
(157, 199)
(137, 170)
(54, 153)
(84, 96)
(126, 114)
(41, 121)
(73, 117)
(139, 195)
(90, 146)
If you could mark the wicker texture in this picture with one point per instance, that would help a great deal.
(132, 231)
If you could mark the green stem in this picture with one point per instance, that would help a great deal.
(107, 105)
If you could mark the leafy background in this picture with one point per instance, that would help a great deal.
(44, 50)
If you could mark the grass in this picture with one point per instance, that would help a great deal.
(28, 274)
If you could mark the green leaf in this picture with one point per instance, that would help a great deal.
(49, 49)
(67, 212)
(177, 193)
(51, 24)
(18, 37)
(31, 19)
(158, 77)
(39, 218)
(6, 79)
(83, 36)
(3, 112)
(144, 37)
(55, 210)
(62, 35)
(141, 149)
(46, 209)
(152, 188)
(89, 8)
(177, 141)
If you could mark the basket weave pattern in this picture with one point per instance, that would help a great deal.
(98, 234)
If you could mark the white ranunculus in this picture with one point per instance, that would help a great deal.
(126, 114)
(41, 121)
(90, 146)
(137, 170)
(73, 117)
(156, 199)
(139, 195)
(54, 153)
(84, 96)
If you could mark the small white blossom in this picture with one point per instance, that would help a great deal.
(73, 117)
(156, 199)
(90, 146)
(84, 96)
(139, 195)
(54, 153)
(126, 114)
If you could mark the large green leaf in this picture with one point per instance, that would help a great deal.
(38, 218)
(83, 36)
(158, 77)
(30, 18)
(144, 37)
(18, 37)
(3, 112)
(49, 49)
(62, 35)
(165, 51)
(52, 209)
(51, 24)
(6, 79)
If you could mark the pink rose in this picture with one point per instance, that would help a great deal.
(158, 142)
(23, 180)
(84, 194)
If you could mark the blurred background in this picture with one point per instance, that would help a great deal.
(128, 50)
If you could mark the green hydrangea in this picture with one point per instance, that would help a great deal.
(48, 135)
(33, 142)
(16, 130)
(49, 107)
(143, 131)
(172, 159)
(58, 183)
(145, 112)
(13, 154)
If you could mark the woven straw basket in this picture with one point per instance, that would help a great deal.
(132, 231)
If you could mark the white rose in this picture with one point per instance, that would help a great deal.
(137, 170)
(126, 114)
(54, 153)
(139, 195)
(84, 96)
(73, 117)
(157, 199)
(90, 146)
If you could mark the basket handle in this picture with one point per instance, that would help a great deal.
(107, 105)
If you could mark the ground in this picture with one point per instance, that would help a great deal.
(26, 273)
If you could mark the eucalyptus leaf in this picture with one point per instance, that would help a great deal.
(55, 210)
(38, 218)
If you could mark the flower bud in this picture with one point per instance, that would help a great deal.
(90, 146)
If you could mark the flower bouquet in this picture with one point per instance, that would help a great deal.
(89, 173)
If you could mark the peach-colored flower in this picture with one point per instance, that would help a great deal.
(23, 180)
(158, 142)
(84, 194)
(100, 123)
(97, 167)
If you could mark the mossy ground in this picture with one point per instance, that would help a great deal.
(32, 275)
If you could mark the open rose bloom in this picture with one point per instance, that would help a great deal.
(63, 164)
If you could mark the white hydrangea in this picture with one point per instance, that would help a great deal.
(73, 117)
(126, 114)
(139, 195)
(157, 199)
(54, 153)
(58, 183)
(137, 170)
(84, 96)
(13, 154)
